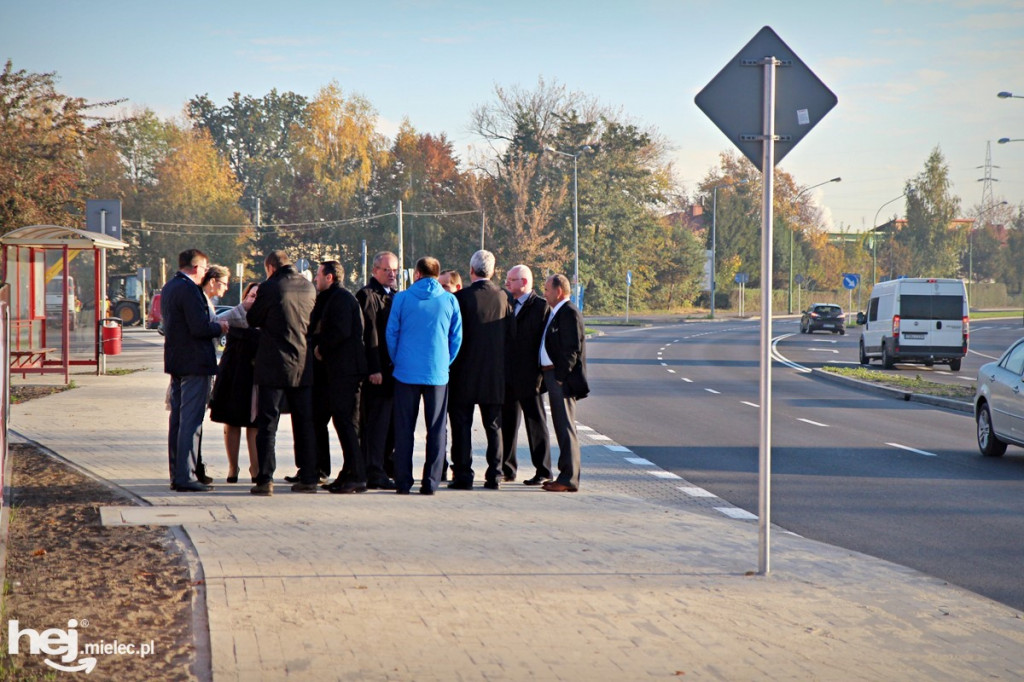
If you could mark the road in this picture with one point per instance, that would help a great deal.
(897, 480)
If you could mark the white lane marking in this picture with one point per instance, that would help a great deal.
(812, 423)
(711, 390)
(910, 449)
(824, 350)
(696, 492)
(664, 364)
(640, 461)
(617, 448)
(598, 436)
(676, 341)
(689, 381)
(581, 427)
(671, 371)
(746, 402)
(735, 513)
(663, 474)
(662, 348)
(783, 359)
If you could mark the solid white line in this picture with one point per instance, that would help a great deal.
(617, 448)
(736, 513)
(920, 452)
(745, 402)
(711, 390)
(696, 492)
(663, 474)
(812, 423)
(640, 461)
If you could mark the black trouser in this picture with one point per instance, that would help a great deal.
(531, 409)
(461, 417)
(378, 434)
(268, 413)
(339, 403)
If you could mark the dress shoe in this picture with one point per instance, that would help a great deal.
(509, 478)
(402, 491)
(201, 474)
(233, 478)
(556, 487)
(293, 479)
(304, 487)
(460, 485)
(383, 484)
(348, 488)
(491, 485)
(536, 480)
(263, 489)
(192, 487)
(424, 490)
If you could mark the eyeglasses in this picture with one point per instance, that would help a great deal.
(383, 269)
(223, 283)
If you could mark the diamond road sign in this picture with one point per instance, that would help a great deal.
(733, 99)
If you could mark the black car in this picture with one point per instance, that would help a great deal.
(827, 317)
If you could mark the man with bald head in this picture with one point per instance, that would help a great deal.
(523, 380)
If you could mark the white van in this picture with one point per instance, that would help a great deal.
(916, 320)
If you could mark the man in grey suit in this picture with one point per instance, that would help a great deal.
(563, 360)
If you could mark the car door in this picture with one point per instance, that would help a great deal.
(1006, 393)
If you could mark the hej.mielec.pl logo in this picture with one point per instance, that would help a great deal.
(63, 645)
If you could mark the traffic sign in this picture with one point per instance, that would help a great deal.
(850, 280)
(799, 279)
(733, 100)
(741, 278)
(629, 277)
(302, 264)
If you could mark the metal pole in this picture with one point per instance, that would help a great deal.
(789, 305)
(765, 448)
(363, 280)
(483, 225)
(575, 232)
(714, 214)
(401, 251)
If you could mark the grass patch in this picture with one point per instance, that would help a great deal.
(913, 384)
(120, 371)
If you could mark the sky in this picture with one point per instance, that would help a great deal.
(910, 75)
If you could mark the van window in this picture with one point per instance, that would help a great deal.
(873, 310)
(918, 307)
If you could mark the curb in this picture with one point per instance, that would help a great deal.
(896, 393)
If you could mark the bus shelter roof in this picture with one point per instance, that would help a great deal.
(54, 235)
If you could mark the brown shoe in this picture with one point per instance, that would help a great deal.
(263, 489)
(556, 487)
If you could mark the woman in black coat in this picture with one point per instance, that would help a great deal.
(232, 400)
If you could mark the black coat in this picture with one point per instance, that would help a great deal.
(231, 401)
(488, 328)
(336, 330)
(281, 312)
(189, 329)
(566, 347)
(376, 306)
(523, 375)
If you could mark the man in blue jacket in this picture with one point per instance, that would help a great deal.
(190, 359)
(424, 333)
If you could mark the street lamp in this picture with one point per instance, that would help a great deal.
(874, 237)
(714, 215)
(1006, 95)
(575, 217)
(792, 231)
(970, 247)
(1004, 140)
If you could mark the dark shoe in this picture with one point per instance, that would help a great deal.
(173, 487)
(304, 487)
(233, 479)
(460, 485)
(293, 479)
(424, 490)
(491, 485)
(201, 474)
(348, 488)
(336, 483)
(402, 491)
(509, 478)
(192, 487)
(263, 489)
(536, 480)
(385, 484)
(556, 487)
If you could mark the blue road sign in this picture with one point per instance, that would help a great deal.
(629, 277)
(741, 278)
(850, 280)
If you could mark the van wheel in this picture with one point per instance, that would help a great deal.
(887, 359)
(954, 365)
(864, 359)
(929, 363)
(988, 443)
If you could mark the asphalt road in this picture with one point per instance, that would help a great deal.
(897, 480)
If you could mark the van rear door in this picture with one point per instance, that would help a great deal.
(932, 316)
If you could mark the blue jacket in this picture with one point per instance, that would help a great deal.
(189, 329)
(424, 333)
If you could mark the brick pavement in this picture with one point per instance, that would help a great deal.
(629, 579)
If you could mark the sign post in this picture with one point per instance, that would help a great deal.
(629, 282)
(763, 96)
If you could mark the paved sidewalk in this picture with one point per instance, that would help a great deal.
(631, 578)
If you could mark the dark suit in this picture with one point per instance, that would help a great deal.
(281, 312)
(478, 376)
(336, 332)
(523, 381)
(190, 359)
(566, 382)
(378, 435)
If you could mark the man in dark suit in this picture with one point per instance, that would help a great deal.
(339, 365)
(378, 435)
(523, 380)
(563, 360)
(281, 311)
(478, 373)
(190, 359)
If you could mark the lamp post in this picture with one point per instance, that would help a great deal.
(1004, 140)
(1007, 95)
(714, 215)
(970, 247)
(792, 231)
(575, 217)
(874, 238)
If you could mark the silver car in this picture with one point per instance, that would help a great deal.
(999, 402)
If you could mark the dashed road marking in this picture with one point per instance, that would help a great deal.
(663, 474)
(617, 448)
(747, 402)
(671, 371)
(598, 436)
(696, 492)
(689, 381)
(711, 390)
(915, 450)
(811, 422)
(640, 461)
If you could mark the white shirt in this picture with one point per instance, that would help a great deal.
(545, 359)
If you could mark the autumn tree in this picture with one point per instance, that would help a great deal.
(928, 238)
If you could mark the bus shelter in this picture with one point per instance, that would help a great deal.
(57, 280)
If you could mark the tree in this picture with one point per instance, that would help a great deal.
(929, 239)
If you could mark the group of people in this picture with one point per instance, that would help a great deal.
(366, 362)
